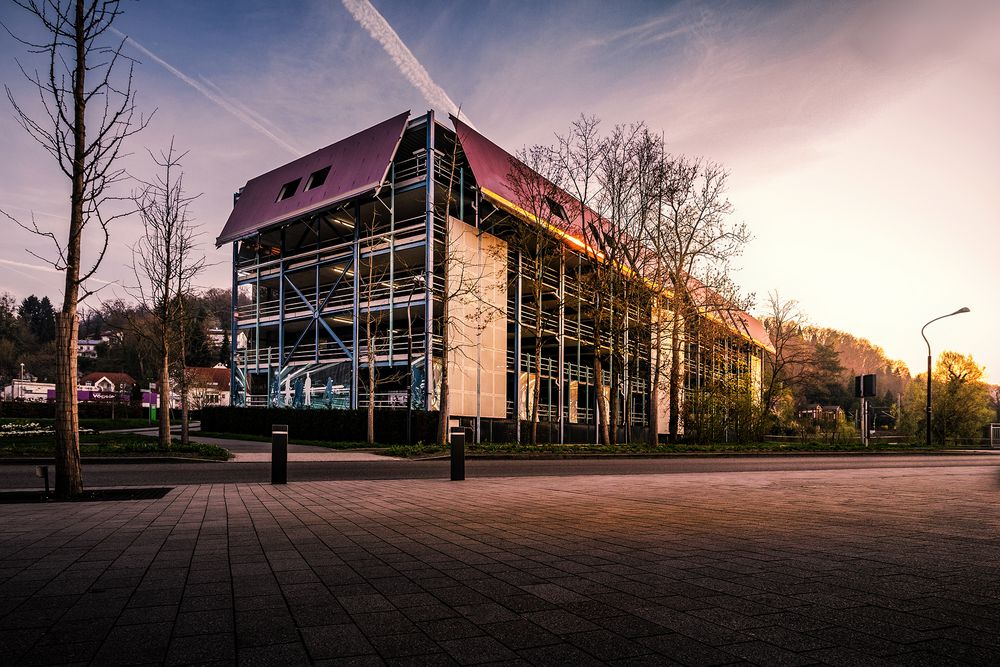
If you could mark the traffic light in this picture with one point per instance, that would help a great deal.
(864, 386)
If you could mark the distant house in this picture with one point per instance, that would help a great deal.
(27, 390)
(216, 335)
(208, 386)
(108, 382)
(87, 347)
(822, 413)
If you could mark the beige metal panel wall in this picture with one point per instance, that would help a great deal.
(663, 352)
(477, 277)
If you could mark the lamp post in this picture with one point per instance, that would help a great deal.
(928, 421)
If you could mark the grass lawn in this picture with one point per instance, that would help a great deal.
(91, 424)
(106, 444)
(643, 449)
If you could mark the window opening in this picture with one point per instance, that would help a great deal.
(556, 208)
(288, 189)
(317, 178)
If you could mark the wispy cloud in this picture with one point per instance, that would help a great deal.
(235, 108)
(371, 20)
(680, 21)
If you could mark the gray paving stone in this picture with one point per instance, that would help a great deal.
(836, 566)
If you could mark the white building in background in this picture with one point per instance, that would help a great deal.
(27, 390)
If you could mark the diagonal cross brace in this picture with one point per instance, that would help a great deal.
(315, 312)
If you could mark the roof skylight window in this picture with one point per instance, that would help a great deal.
(288, 189)
(317, 178)
(556, 208)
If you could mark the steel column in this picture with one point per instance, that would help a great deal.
(232, 323)
(256, 319)
(517, 350)
(429, 265)
(479, 348)
(392, 263)
(281, 310)
(356, 306)
(562, 347)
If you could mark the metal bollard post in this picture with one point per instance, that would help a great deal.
(457, 454)
(43, 472)
(279, 454)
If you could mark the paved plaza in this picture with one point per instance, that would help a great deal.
(844, 567)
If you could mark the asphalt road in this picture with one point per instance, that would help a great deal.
(107, 475)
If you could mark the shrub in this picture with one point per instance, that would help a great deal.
(324, 425)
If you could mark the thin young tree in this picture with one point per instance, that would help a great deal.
(164, 264)
(463, 279)
(534, 178)
(787, 364)
(86, 111)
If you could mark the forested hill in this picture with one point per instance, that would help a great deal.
(839, 356)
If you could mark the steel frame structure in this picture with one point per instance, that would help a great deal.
(308, 289)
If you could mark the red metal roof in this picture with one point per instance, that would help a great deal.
(115, 377)
(206, 376)
(492, 166)
(357, 164)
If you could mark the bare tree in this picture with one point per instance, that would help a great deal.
(86, 113)
(578, 154)
(788, 363)
(698, 242)
(534, 178)
(164, 265)
(628, 161)
(376, 287)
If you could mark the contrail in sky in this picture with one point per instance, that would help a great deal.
(371, 20)
(41, 267)
(218, 98)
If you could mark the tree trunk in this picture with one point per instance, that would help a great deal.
(445, 298)
(443, 399)
(602, 404)
(165, 399)
(536, 392)
(371, 394)
(613, 416)
(654, 394)
(185, 406)
(675, 377)
(69, 478)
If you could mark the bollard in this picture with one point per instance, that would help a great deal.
(279, 454)
(457, 454)
(43, 472)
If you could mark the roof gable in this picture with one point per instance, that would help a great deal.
(356, 164)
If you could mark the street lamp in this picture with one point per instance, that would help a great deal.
(928, 423)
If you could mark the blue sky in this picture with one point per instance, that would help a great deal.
(861, 137)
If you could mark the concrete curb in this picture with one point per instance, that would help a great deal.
(104, 460)
(721, 455)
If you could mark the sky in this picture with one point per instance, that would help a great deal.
(861, 137)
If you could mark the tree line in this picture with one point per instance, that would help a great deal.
(813, 365)
(27, 336)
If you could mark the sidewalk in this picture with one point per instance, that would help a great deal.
(874, 566)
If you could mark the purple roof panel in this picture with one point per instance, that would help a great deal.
(492, 165)
(357, 164)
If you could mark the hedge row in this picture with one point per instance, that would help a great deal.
(87, 410)
(328, 425)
